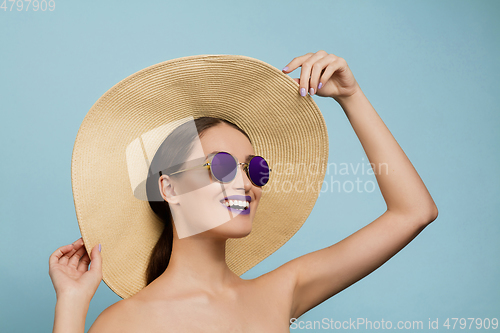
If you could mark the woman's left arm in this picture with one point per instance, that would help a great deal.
(410, 208)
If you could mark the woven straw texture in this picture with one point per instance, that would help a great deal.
(286, 128)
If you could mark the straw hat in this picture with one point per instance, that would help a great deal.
(288, 130)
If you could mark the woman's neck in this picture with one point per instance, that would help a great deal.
(198, 263)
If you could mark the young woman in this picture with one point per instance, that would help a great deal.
(190, 287)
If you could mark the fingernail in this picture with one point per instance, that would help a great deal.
(99, 247)
(320, 85)
(302, 92)
(285, 68)
(311, 91)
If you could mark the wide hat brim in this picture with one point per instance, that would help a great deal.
(284, 127)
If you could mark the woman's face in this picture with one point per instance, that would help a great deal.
(198, 208)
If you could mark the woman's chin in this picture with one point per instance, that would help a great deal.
(238, 227)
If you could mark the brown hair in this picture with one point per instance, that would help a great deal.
(176, 147)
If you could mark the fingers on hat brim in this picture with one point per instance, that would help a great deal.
(83, 266)
(59, 253)
(75, 258)
(96, 259)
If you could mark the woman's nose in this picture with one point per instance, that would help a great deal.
(241, 179)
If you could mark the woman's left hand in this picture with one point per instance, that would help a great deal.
(332, 72)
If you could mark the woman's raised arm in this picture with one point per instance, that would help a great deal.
(75, 284)
(410, 208)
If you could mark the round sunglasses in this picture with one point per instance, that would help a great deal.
(223, 167)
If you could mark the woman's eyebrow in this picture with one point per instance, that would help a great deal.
(248, 158)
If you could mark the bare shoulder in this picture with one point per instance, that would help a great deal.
(118, 317)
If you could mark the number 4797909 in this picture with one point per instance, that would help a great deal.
(26, 5)
(478, 323)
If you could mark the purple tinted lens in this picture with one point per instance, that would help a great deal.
(223, 167)
(258, 170)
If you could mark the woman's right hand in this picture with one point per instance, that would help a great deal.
(69, 271)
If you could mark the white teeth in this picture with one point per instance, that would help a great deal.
(237, 204)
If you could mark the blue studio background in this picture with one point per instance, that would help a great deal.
(428, 68)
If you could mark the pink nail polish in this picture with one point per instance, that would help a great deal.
(99, 247)
(320, 85)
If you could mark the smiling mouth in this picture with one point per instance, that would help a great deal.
(236, 204)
